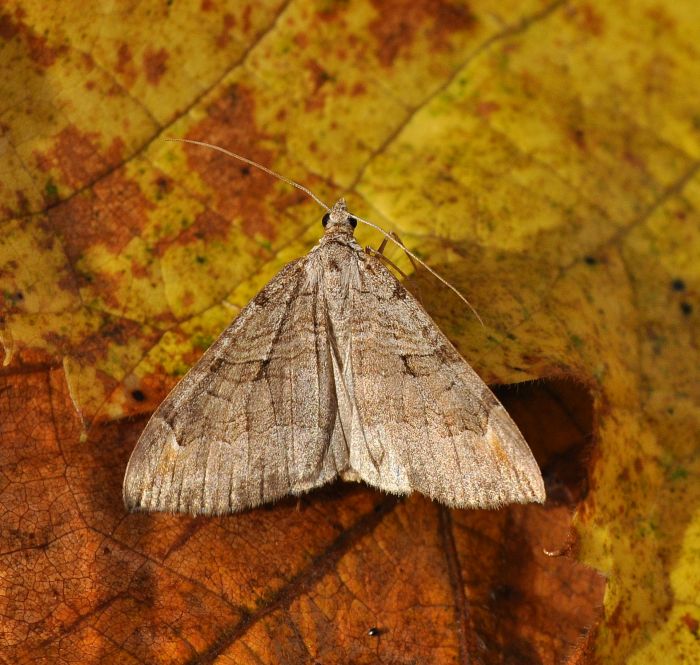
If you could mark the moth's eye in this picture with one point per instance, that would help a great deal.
(326, 217)
(353, 222)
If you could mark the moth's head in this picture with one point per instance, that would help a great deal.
(339, 219)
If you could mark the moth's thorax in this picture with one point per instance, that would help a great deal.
(333, 265)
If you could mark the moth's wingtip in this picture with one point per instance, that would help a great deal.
(539, 493)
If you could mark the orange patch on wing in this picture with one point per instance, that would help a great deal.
(495, 445)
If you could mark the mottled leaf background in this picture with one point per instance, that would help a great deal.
(542, 155)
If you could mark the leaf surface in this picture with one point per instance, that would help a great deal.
(542, 156)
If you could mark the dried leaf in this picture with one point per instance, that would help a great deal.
(542, 156)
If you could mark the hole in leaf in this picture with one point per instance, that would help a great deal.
(556, 419)
(138, 395)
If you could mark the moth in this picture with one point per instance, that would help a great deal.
(334, 370)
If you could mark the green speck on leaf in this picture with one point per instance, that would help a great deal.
(12, 296)
(50, 189)
(179, 370)
(329, 6)
(679, 473)
(674, 471)
(576, 341)
(648, 528)
(201, 341)
(200, 259)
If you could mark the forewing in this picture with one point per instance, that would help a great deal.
(253, 419)
(424, 420)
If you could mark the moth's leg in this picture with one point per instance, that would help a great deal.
(395, 237)
(382, 247)
(378, 254)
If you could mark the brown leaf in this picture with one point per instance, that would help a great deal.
(288, 583)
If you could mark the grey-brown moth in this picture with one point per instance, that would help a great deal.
(334, 370)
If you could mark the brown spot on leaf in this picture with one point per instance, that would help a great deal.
(246, 18)
(237, 195)
(301, 39)
(77, 156)
(88, 61)
(163, 185)
(400, 21)
(692, 623)
(111, 215)
(578, 136)
(224, 38)
(68, 283)
(588, 19)
(22, 204)
(208, 224)
(665, 23)
(485, 108)
(154, 65)
(187, 299)
(8, 28)
(316, 99)
(125, 64)
(319, 75)
(37, 46)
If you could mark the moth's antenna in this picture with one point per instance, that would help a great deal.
(325, 207)
(256, 165)
(423, 263)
